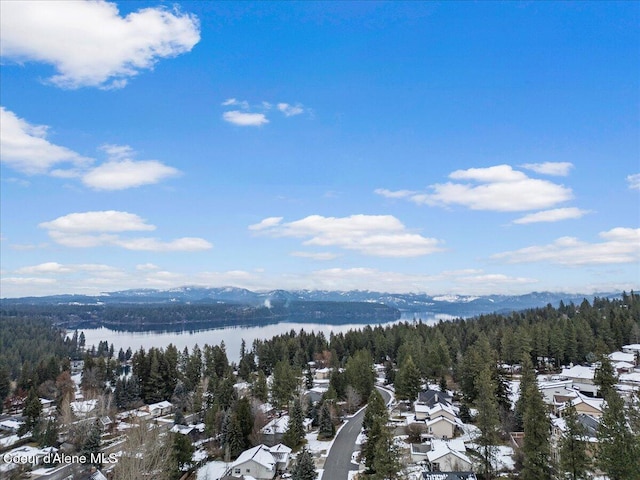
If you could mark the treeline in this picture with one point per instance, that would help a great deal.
(141, 317)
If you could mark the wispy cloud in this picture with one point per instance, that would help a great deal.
(634, 181)
(375, 235)
(26, 149)
(246, 115)
(498, 188)
(560, 169)
(126, 173)
(555, 215)
(104, 228)
(245, 119)
(89, 43)
(619, 245)
(316, 255)
(290, 110)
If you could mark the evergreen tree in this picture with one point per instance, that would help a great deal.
(235, 441)
(285, 382)
(359, 373)
(327, 429)
(259, 388)
(295, 429)
(618, 453)
(605, 377)
(304, 468)
(375, 410)
(386, 462)
(91, 446)
(408, 380)
(487, 421)
(5, 383)
(31, 413)
(527, 382)
(574, 460)
(181, 453)
(245, 420)
(49, 436)
(536, 448)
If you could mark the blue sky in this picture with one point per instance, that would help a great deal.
(446, 148)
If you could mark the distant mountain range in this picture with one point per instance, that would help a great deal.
(454, 305)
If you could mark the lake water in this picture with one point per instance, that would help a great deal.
(232, 336)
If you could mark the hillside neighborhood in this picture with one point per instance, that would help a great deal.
(435, 436)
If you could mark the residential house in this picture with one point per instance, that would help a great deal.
(257, 462)
(448, 456)
(160, 409)
(632, 348)
(281, 454)
(443, 426)
(419, 452)
(582, 378)
(273, 431)
(584, 405)
(432, 397)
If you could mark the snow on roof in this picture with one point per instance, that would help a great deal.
(83, 407)
(456, 422)
(632, 346)
(277, 425)
(633, 377)
(160, 405)
(259, 454)
(440, 449)
(622, 357)
(578, 371)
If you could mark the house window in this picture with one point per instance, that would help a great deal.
(435, 467)
(237, 470)
(248, 470)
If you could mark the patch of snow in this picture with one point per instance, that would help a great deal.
(212, 471)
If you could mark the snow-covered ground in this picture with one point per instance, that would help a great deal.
(212, 471)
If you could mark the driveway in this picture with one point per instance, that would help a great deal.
(338, 462)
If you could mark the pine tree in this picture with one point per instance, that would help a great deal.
(32, 411)
(245, 420)
(574, 460)
(408, 380)
(536, 448)
(487, 421)
(618, 453)
(327, 429)
(295, 429)
(527, 381)
(181, 453)
(259, 388)
(376, 408)
(605, 377)
(91, 445)
(386, 462)
(234, 437)
(304, 468)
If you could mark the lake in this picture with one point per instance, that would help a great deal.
(231, 335)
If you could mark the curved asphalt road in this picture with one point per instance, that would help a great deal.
(338, 462)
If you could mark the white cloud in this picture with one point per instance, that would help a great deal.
(316, 255)
(554, 215)
(147, 267)
(560, 169)
(232, 102)
(89, 43)
(634, 181)
(619, 245)
(497, 188)
(101, 221)
(394, 194)
(290, 110)
(376, 235)
(103, 228)
(44, 268)
(185, 244)
(118, 175)
(245, 119)
(25, 147)
(266, 223)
